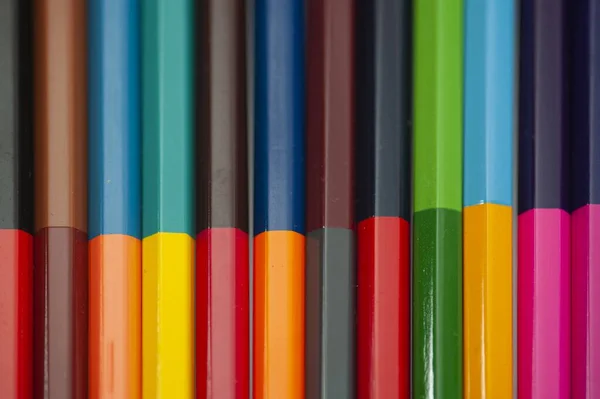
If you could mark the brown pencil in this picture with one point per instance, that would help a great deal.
(60, 159)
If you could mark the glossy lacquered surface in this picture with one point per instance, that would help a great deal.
(16, 100)
(60, 314)
(330, 278)
(167, 116)
(222, 314)
(222, 274)
(278, 350)
(437, 104)
(16, 314)
(584, 47)
(60, 92)
(279, 198)
(437, 304)
(221, 138)
(584, 50)
(279, 186)
(114, 118)
(488, 301)
(383, 98)
(383, 331)
(16, 201)
(114, 198)
(585, 298)
(489, 94)
(168, 198)
(330, 346)
(330, 110)
(544, 309)
(60, 348)
(168, 316)
(543, 141)
(115, 351)
(544, 268)
(488, 198)
(437, 324)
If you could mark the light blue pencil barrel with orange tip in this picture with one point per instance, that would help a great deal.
(168, 217)
(114, 199)
(488, 198)
(279, 200)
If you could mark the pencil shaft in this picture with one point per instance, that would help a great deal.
(60, 157)
(60, 154)
(543, 163)
(222, 127)
(437, 234)
(222, 313)
(114, 120)
(16, 201)
(383, 312)
(168, 217)
(115, 199)
(60, 315)
(438, 62)
(488, 198)
(330, 104)
(584, 26)
(489, 96)
(544, 223)
(330, 313)
(330, 281)
(222, 274)
(279, 197)
(279, 192)
(383, 98)
(488, 300)
(16, 183)
(544, 289)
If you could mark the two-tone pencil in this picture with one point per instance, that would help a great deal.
(584, 25)
(279, 196)
(544, 280)
(168, 203)
(330, 271)
(16, 201)
(60, 156)
(222, 272)
(114, 199)
(383, 98)
(437, 233)
(488, 198)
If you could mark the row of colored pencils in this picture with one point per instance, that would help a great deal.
(383, 199)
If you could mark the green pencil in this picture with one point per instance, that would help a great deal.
(437, 236)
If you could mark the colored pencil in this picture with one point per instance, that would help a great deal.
(114, 199)
(60, 243)
(279, 196)
(330, 272)
(437, 235)
(543, 223)
(222, 273)
(16, 201)
(168, 211)
(584, 26)
(383, 78)
(488, 197)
